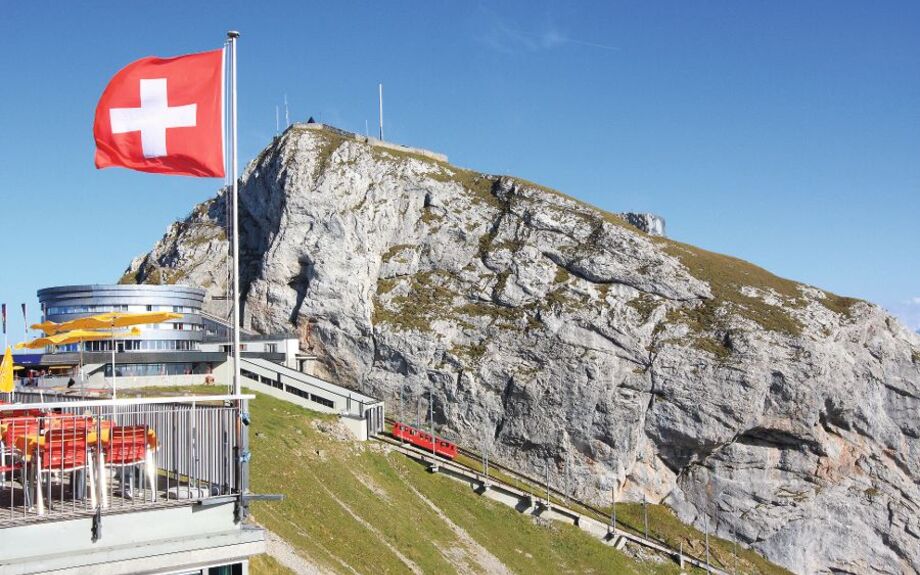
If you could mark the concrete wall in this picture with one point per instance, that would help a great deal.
(358, 427)
(155, 541)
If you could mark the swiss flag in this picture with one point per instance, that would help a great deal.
(164, 115)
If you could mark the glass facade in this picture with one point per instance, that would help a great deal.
(185, 333)
(105, 308)
(147, 369)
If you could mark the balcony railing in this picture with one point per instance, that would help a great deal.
(83, 457)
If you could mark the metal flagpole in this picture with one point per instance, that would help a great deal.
(233, 35)
(242, 455)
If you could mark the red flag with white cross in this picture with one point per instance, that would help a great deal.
(164, 115)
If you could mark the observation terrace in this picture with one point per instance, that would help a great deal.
(149, 485)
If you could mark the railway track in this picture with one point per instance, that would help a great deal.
(539, 491)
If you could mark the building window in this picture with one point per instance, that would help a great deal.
(322, 401)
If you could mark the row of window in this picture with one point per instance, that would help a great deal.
(103, 308)
(293, 390)
(148, 369)
(267, 347)
(312, 397)
(132, 345)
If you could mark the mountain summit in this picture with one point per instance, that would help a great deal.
(567, 339)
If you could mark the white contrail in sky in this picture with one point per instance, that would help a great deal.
(498, 35)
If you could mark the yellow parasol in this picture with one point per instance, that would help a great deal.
(107, 320)
(75, 336)
(6, 371)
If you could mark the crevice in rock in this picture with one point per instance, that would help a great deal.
(777, 439)
(498, 428)
(629, 353)
(899, 391)
(300, 283)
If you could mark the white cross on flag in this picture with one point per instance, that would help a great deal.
(164, 115)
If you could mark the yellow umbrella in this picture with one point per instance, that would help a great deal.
(107, 320)
(75, 336)
(110, 320)
(49, 327)
(6, 371)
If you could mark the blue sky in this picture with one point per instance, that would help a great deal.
(787, 134)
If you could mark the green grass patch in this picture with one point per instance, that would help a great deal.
(645, 305)
(665, 526)
(426, 300)
(839, 304)
(267, 565)
(523, 545)
(128, 277)
(562, 275)
(726, 276)
(393, 251)
(349, 506)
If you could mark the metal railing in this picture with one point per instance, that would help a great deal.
(76, 456)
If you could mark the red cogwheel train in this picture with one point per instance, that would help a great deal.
(422, 439)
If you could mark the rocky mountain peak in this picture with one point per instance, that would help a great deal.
(561, 334)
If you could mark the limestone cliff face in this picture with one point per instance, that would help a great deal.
(560, 333)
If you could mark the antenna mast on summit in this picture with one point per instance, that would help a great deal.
(287, 116)
(277, 120)
(380, 86)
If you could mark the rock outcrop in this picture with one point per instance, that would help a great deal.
(558, 332)
(651, 224)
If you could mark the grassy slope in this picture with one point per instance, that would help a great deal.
(350, 506)
(663, 526)
(321, 476)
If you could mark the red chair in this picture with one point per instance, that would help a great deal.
(19, 425)
(64, 451)
(126, 447)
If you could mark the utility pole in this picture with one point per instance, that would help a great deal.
(613, 512)
(546, 467)
(566, 490)
(707, 545)
(380, 87)
(645, 513)
(485, 461)
(735, 548)
(431, 417)
(287, 115)
(433, 468)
